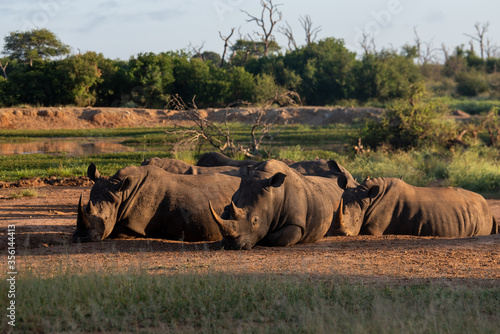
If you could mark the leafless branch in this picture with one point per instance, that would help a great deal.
(307, 24)
(4, 68)
(481, 30)
(196, 51)
(219, 136)
(367, 44)
(446, 52)
(226, 44)
(273, 17)
(287, 31)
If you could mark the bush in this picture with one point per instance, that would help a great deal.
(471, 83)
(410, 123)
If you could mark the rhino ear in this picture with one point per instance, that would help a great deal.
(342, 181)
(373, 192)
(335, 167)
(275, 181)
(125, 184)
(92, 172)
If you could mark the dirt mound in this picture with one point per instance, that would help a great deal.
(83, 118)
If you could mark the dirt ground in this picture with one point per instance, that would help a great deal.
(44, 225)
(87, 118)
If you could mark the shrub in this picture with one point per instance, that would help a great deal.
(471, 83)
(410, 123)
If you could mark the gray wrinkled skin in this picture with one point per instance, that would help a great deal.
(180, 167)
(324, 168)
(277, 206)
(150, 202)
(391, 206)
(214, 159)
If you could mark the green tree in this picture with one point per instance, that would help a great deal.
(385, 75)
(325, 69)
(152, 78)
(42, 84)
(36, 44)
(246, 50)
(242, 84)
(83, 76)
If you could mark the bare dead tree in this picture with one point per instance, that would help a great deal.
(226, 44)
(418, 45)
(446, 52)
(368, 44)
(287, 31)
(267, 21)
(429, 53)
(4, 68)
(218, 134)
(481, 30)
(491, 49)
(307, 24)
(196, 50)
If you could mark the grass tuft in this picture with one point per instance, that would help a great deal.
(25, 193)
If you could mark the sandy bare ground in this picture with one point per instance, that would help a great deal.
(87, 118)
(44, 226)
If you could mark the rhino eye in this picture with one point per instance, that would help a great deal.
(255, 220)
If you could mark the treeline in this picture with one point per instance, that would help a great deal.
(322, 73)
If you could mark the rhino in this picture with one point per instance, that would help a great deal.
(214, 159)
(323, 167)
(180, 167)
(147, 201)
(390, 206)
(277, 206)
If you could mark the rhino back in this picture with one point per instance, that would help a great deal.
(447, 212)
(180, 167)
(174, 206)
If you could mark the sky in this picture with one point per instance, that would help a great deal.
(121, 29)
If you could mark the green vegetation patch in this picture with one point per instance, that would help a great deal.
(216, 302)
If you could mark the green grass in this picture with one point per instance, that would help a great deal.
(476, 169)
(471, 106)
(137, 301)
(15, 167)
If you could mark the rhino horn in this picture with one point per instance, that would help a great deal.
(236, 212)
(226, 226)
(339, 217)
(82, 221)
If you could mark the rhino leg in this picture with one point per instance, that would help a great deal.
(285, 236)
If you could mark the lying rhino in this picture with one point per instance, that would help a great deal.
(323, 167)
(214, 159)
(390, 206)
(180, 167)
(150, 202)
(277, 206)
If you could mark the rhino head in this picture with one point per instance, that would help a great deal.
(98, 219)
(350, 214)
(251, 212)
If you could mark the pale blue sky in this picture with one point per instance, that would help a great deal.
(120, 29)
